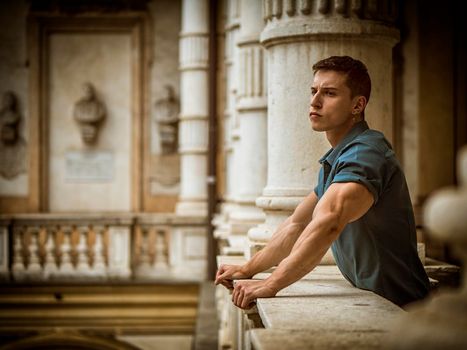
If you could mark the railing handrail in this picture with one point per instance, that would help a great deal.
(110, 218)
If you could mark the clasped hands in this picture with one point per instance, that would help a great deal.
(244, 292)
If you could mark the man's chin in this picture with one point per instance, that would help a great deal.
(317, 127)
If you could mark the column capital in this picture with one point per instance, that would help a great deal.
(299, 20)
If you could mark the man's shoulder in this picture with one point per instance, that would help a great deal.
(369, 141)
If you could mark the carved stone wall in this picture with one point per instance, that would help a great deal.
(163, 178)
(14, 77)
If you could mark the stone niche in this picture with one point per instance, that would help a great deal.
(91, 69)
(81, 177)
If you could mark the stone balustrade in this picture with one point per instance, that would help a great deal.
(93, 247)
(322, 310)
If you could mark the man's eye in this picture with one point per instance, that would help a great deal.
(330, 93)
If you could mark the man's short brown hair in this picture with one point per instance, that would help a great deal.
(358, 80)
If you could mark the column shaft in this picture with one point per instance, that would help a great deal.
(252, 129)
(193, 141)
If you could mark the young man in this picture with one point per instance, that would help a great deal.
(361, 205)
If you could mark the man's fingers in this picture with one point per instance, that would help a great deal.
(222, 277)
(227, 284)
(219, 273)
(236, 294)
(246, 297)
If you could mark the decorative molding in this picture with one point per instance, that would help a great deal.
(193, 135)
(375, 10)
(194, 51)
(251, 69)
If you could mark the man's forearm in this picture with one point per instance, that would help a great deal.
(284, 239)
(276, 250)
(307, 252)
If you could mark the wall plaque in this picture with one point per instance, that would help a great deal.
(89, 166)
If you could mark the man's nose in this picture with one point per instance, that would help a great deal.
(315, 100)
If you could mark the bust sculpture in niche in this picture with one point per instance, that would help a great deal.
(12, 145)
(166, 116)
(89, 112)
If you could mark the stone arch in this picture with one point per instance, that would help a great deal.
(69, 341)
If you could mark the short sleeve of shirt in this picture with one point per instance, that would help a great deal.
(364, 164)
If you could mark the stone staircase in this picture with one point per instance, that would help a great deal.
(110, 310)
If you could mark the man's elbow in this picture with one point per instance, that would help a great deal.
(333, 222)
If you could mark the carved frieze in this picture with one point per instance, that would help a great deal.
(377, 10)
(301, 20)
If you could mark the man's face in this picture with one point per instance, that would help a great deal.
(331, 104)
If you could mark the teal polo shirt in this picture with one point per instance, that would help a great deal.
(377, 252)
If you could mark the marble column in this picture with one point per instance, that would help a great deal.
(298, 34)
(252, 125)
(230, 119)
(193, 142)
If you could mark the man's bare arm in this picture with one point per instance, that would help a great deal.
(341, 204)
(277, 248)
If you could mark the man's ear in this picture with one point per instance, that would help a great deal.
(360, 104)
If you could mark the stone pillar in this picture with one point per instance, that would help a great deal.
(193, 144)
(4, 269)
(297, 35)
(252, 124)
(230, 122)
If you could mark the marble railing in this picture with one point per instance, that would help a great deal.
(59, 247)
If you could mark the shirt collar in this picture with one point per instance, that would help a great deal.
(356, 130)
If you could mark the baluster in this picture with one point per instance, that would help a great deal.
(50, 263)
(99, 267)
(4, 244)
(18, 259)
(144, 267)
(82, 265)
(34, 268)
(66, 267)
(160, 258)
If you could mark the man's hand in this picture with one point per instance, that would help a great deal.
(245, 292)
(227, 273)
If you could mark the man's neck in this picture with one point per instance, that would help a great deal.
(335, 136)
